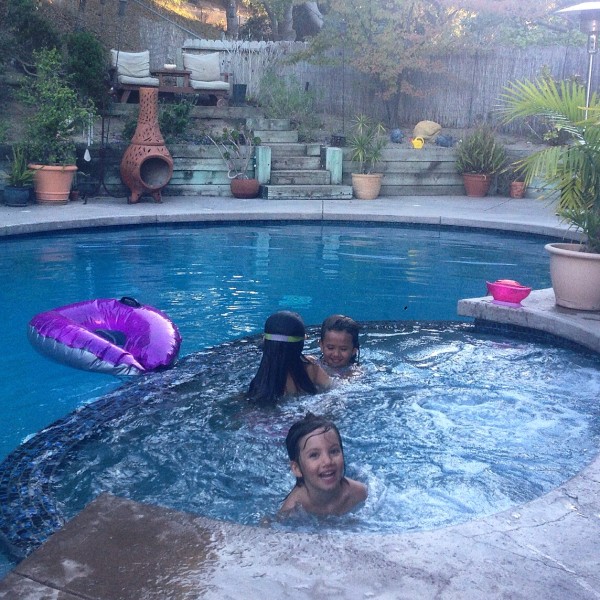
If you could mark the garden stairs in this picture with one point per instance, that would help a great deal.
(297, 169)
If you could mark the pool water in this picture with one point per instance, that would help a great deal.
(219, 283)
(444, 424)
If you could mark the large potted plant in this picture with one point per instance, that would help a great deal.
(57, 113)
(478, 158)
(236, 147)
(367, 142)
(572, 168)
(19, 180)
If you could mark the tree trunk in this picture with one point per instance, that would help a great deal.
(286, 26)
(313, 15)
(308, 20)
(233, 23)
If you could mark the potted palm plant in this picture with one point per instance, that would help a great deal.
(57, 113)
(367, 142)
(20, 179)
(572, 168)
(478, 158)
(236, 147)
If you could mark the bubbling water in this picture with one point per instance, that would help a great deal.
(444, 424)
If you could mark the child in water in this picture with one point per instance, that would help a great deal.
(283, 368)
(339, 342)
(314, 446)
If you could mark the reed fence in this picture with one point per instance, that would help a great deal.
(466, 93)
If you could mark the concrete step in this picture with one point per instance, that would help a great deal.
(276, 137)
(295, 162)
(306, 192)
(296, 177)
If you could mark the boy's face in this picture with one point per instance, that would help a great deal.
(337, 348)
(321, 460)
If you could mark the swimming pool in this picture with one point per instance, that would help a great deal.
(220, 282)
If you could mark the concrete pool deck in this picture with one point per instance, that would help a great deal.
(116, 548)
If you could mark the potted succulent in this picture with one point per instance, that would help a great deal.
(236, 147)
(572, 168)
(20, 179)
(367, 142)
(478, 158)
(57, 112)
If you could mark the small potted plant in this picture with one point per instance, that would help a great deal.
(573, 169)
(57, 113)
(517, 186)
(367, 142)
(478, 158)
(20, 179)
(236, 147)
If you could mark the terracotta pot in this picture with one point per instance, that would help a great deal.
(52, 183)
(366, 187)
(244, 188)
(476, 185)
(517, 189)
(575, 276)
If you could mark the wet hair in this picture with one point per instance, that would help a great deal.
(304, 427)
(281, 357)
(345, 324)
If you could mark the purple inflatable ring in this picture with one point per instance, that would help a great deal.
(120, 337)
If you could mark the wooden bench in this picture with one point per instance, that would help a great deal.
(168, 83)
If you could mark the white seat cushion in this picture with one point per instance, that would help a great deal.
(131, 64)
(143, 81)
(209, 85)
(203, 67)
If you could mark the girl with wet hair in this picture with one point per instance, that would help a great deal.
(283, 368)
(339, 342)
(316, 454)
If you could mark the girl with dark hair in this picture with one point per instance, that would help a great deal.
(316, 454)
(339, 342)
(283, 368)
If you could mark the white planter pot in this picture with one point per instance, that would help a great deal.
(575, 276)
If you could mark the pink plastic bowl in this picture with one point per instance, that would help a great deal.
(507, 291)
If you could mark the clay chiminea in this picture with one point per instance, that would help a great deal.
(147, 165)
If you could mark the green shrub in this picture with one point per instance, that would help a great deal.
(173, 119)
(87, 66)
(285, 98)
(58, 112)
(3, 131)
(480, 152)
(30, 30)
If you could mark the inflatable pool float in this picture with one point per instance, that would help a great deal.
(120, 337)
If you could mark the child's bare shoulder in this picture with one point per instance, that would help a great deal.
(292, 502)
(356, 493)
